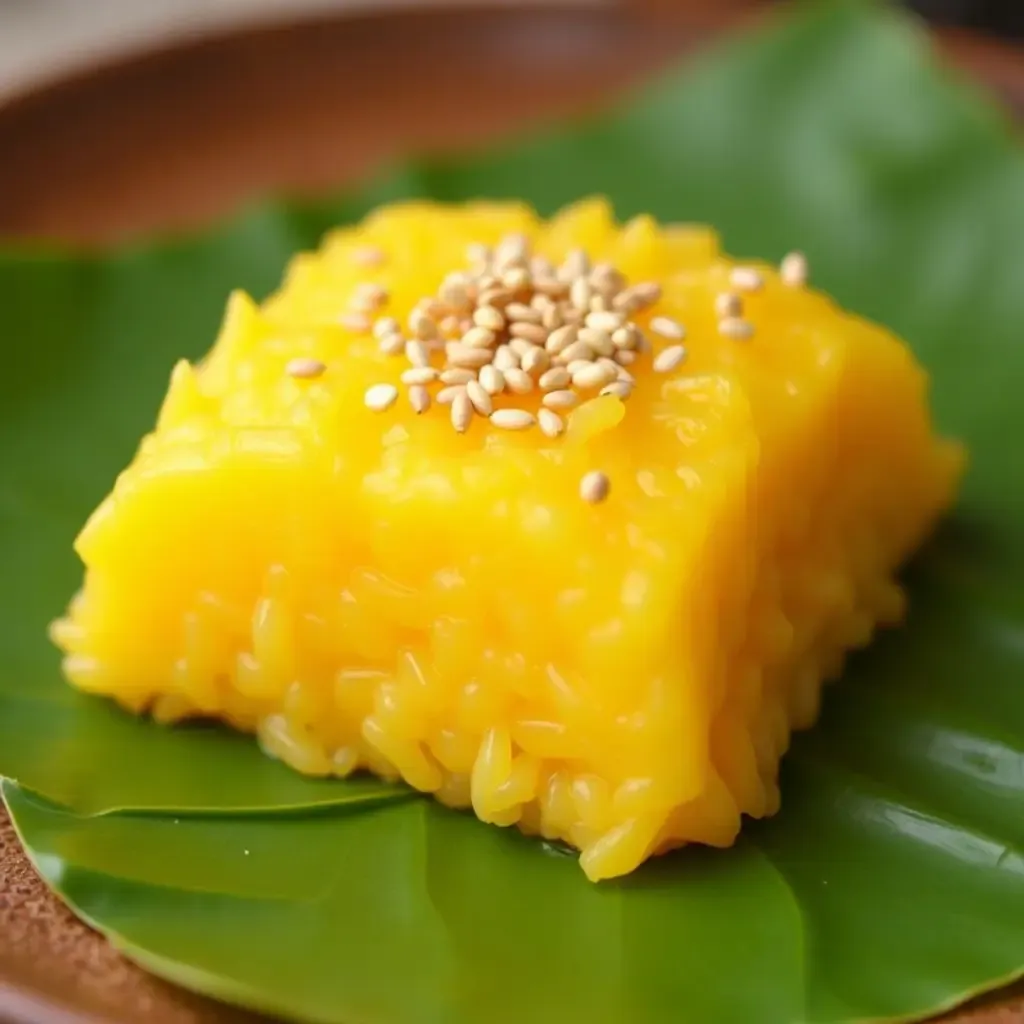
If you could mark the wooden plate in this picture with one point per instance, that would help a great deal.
(172, 135)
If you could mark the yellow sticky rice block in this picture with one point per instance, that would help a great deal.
(602, 628)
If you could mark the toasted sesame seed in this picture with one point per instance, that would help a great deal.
(360, 323)
(520, 311)
(564, 399)
(518, 381)
(492, 380)
(489, 318)
(619, 388)
(577, 350)
(419, 399)
(793, 269)
(668, 328)
(417, 353)
(392, 344)
(380, 397)
(465, 356)
(457, 376)
(728, 304)
(594, 487)
(480, 398)
(604, 321)
(536, 361)
(420, 375)
(369, 256)
(550, 422)
(599, 341)
(736, 328)
(668, 359)
(560, 338)
(556, 377)
(462, 412)
(512, 419)
(529, 332)
(747, 279)
(505, 358)
(625, 357)
(580, 293)
(593, 376)
(479, 337)
(448, 395)
(305, 368)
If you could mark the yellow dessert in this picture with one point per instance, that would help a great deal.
(567, 522)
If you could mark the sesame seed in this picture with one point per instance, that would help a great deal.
(736, 328)
(625, 357)
(494, 297)
(579, 364)
(368, 256)
(529, 332)
(304, 368)
(420, 375)
(422, 325)
(626, 376)
(360, 323)
(600, 304)
(577, 350)
(793, 269)
(392, 344)
(432, 308)
(576, 264)
(556, 377)
(385, 326)
(619, 388)
(551, 318)
(417, 353)
(479, 337)
(462, 412)
(516, 279)
(518, 381)
(419, 399)
(728, 304)
(513, 247)
(609, 364)
(550, 422)
(505, 359)
(380, 397)
(536, 361)
(480, 255)
(580, 293)
(560, 338)
(668, 359)
(492, 380)
(606, 278)
(520, 346)
(512, 419)
(465, 356)
(454, 294)
(594, 487)
(747, 279)
(554, 289)
(369, 297)
(668, 328)
(560, 399)
(593, 376)
(599, 341)
(604, 321)
(640, 296)
(626, 337)
(489, 318)
(448, 395)
(479, 397)
(541, 266)
(457, 376)
(525, 314)
(452, 327)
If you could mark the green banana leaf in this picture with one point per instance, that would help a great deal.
(891, 886)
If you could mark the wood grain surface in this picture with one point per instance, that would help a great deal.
(171, 139)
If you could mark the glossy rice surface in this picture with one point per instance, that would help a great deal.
(373, 590)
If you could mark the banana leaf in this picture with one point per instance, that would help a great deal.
(891, 886)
